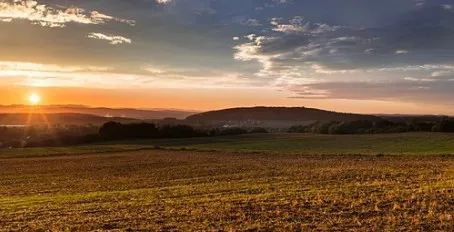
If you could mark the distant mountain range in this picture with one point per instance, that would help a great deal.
(277, 114)
(22, 119)
(99, 111)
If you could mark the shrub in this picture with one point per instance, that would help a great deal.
(445, 125)
(258, 130)
(232, 131)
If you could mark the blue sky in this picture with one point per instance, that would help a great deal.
(301, 51)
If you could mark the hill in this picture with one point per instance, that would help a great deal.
(277, 114)
(100, 111)
(20, 119)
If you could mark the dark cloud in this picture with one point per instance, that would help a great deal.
(420, 37)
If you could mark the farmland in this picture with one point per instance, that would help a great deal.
(309, 144)
(254, 182)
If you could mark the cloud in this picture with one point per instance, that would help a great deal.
(113, 39)
(8, 66)
(47, 16)
(52, 75)
(102, 17)
(299, 25)
(416, 83)
(48, 75)
(250, 22)
(411, 89)
(424, 33)
(399, 52)
(282, 1)
(317, 60)
(447, 6)
(163, 1)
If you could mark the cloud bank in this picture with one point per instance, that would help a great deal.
(47, 16)
(336, 61)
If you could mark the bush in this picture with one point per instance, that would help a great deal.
(445, 125)
(232, 131)
(355, 127)
(298, 129)
(178, 131)
(258, 130)
(115, 130)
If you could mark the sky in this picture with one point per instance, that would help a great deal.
(367, 56)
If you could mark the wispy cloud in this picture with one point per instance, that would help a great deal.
(164, 1)
(9, 66)
(112, 39)
(52, 75)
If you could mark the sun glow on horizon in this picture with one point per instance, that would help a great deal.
(34, 99)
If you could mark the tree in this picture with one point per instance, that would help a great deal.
(445, 125)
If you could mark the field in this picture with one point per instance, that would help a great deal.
(254, 182)
(310, 144)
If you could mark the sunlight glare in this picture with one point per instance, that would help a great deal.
(34, 99)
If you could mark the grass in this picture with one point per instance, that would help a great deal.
(407, 143)
(386, 144)
(289, 182)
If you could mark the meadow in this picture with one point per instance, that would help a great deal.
(367, 144)
(297, 182)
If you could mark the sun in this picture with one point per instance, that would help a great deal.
(34, 99)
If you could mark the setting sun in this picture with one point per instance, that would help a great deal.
(34, 99)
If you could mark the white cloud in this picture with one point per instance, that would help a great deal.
(153, 70)
(250, 37)
(295, 25)
(400, 52)
(281, 1)
(251, 52)
(102, 17)
(419, 79)
(251, 23)
(113, 39)
(164, 1)
(299, 25)
(47, 16)
(447, 6)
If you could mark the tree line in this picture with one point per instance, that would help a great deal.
(110, 131)
(115, 131)
(374, 127)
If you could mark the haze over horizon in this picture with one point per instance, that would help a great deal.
(391, 57)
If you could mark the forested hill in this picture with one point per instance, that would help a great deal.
(278, 114)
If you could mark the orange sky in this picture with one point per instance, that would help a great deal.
(202, 99)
